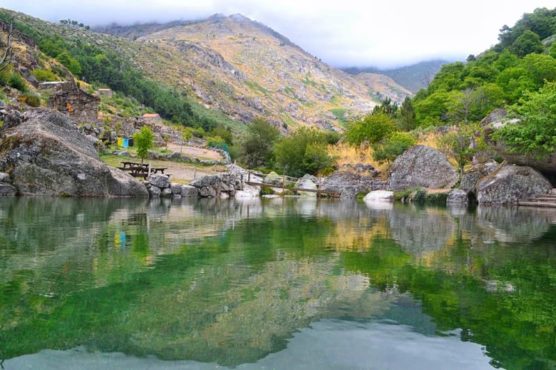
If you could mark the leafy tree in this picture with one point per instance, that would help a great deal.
(528, 42)
(371, 129)
(387, 106)
(304, 151)
(536, 133)
(461, 145)
(144, 140)
(407, 118)
(257, 149)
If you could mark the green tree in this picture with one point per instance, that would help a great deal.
(371, 129)
(536, 133)
(407, 118)
(387, 106)
(304, 151)
(461, 145)
(257, 149)
(528, 42)
(144, 140)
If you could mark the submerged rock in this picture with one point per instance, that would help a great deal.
(511, 184)
(45, 154)
(422, 166)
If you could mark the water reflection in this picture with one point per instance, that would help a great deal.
(232, 283)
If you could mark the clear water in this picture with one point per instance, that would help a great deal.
(274, 284)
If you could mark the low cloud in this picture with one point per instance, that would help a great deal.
(342, 33)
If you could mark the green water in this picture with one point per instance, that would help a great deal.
(274, 284)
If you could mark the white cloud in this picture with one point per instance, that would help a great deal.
(341, 32)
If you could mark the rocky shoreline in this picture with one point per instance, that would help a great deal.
(42, 152)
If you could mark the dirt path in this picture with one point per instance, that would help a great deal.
(195, 152)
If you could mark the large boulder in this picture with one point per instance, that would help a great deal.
(422, 166)
(45, 154)
(348, 184)
(511, 184)
(471, 178)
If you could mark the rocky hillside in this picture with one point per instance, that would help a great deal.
(246, 69)
(382, 87)
(413, 77)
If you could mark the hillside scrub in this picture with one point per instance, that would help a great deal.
(500, 77)
(304, 151)
(535, 134)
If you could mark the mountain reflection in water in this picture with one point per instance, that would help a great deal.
(276, 283)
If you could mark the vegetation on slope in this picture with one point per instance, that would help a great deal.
(101, 63)
(515, 74)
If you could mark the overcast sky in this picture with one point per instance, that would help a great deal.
(383, 33)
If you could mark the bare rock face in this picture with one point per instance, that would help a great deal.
(349, 184)
(511, 184)
(45, 154)
(422, 166)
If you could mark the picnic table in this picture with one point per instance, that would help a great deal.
(141, 169)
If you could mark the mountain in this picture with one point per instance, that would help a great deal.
(245, 69)
(382, 86)
(412, 77)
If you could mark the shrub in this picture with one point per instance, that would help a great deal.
(305, 151)
(372, 129)
(257, 149)
(32, 100)
(44, 75)
(17, 82)
(393, 146)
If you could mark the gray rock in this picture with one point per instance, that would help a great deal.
(7, 190)
(188, 191)
(154, 192)
(457, 197)
(471, 178)
(166, 193)
(4, 177)
(47, 155)
(176, 189)
(511, 184)
(214, 185)
(349, 184)
(273, 179)
(422, 166)
(159, 180)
